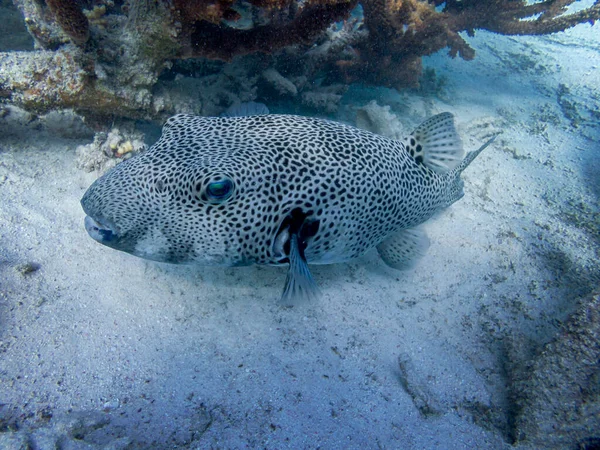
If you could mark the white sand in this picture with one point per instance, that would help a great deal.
(200, 357)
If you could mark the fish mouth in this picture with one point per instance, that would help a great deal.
(100, 230)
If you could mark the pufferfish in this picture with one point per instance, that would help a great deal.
(278, 189)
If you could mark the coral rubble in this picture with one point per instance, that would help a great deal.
(107, 148)
(109, 59)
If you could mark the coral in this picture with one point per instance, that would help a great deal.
(323, 98)
(337, 41)
(70, 17)
(518, 17)
(217, 42)
(192, 11)
(108, 148)
(122, 63)
(280, 83)
(380, 120)
(96, 15)
(402, 31)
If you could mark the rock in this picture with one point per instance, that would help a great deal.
(27, 268)
(558, 403)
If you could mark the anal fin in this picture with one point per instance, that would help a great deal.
(404, 248)
(299, 283)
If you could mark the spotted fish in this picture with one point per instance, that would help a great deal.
(278, 189)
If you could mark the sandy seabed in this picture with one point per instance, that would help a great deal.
(99, 349)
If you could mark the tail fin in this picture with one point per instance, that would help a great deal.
(471, 156)
(456, 184)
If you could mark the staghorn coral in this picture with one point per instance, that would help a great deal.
(280, 83)
(123, 62)
(402, 31)
(518, 17)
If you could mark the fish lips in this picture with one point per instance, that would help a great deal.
(101, 231)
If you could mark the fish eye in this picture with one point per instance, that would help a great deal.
(219, 190)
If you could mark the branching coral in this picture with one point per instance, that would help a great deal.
(300, 27)
(402, 31)
(294, 44)
(517, 17)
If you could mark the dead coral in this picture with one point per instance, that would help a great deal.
(209, 92)
(39, 81)
(108, 149)
(43, 29)
(380, 120)
(45, 80)
(55, 22)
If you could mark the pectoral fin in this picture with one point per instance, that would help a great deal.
(299, 283)
(404, 248)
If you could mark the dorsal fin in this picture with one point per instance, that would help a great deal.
(436, 144)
